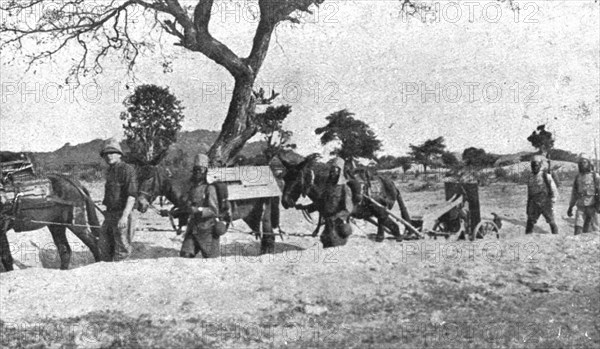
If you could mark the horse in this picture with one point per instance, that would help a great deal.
(56, 212)
(155, 182)
(300, 179)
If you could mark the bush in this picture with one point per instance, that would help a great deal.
(483, 178)
(501, 173)
(520, 177)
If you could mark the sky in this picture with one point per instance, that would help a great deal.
(476, 73)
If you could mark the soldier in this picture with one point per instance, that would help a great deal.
(335, 207)
(585, 195)
(542, 194)
(203, 205)
(120, 195)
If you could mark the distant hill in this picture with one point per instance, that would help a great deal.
(189, 143)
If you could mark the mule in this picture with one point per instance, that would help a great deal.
(304, 179)
(67, 193)
(156, 182)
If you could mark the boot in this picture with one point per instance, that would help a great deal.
(587, 225)
(554, 228)
(578, 230)
(529, 227)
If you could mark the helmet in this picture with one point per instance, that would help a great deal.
(111, 146)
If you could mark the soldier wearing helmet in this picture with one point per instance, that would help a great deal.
(542, 194)
(586, 197)
(335, 206)
(202, 204)
(120, 195)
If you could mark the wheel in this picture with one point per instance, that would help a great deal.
(485, 229)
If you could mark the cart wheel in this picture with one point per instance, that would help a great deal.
(485, 229)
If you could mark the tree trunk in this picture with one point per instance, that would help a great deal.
(238, 126)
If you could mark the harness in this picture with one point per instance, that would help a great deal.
(22, 193)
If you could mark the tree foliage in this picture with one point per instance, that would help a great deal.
(477, 157)
(152, 120)
(356, 137)
(405, 162)
(387, 162)
(542, 140)
(450, 159)
(270, 125)
(428, 152)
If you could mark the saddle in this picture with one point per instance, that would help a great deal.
(361, 183)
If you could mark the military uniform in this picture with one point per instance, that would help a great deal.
(542, 193)
(586, 187)
(115, 242)
(335, 206)
(203, 201)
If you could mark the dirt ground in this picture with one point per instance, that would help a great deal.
(537, 291)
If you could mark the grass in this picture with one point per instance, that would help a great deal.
(451, 314)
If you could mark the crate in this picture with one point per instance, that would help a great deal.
(246, 182)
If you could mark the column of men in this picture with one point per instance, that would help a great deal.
(121, 190)
(542, 194)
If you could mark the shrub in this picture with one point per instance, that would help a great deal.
(501, 173)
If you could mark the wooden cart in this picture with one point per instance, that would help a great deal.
(460, 214)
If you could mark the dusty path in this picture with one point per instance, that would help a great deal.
(521, 291)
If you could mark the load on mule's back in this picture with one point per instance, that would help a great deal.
(19, 183)
(249, 193)
(30, 203)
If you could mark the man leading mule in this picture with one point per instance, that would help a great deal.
(335, 205)
(300, 180)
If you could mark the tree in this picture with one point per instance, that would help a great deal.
(270, 125)
(153, 118)
(356, 137)
(542, 140)
(477, 157)
(449, 159)
(386, 162)
(425, 153)
(102, 28)
(405, 162)
(105, 28)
